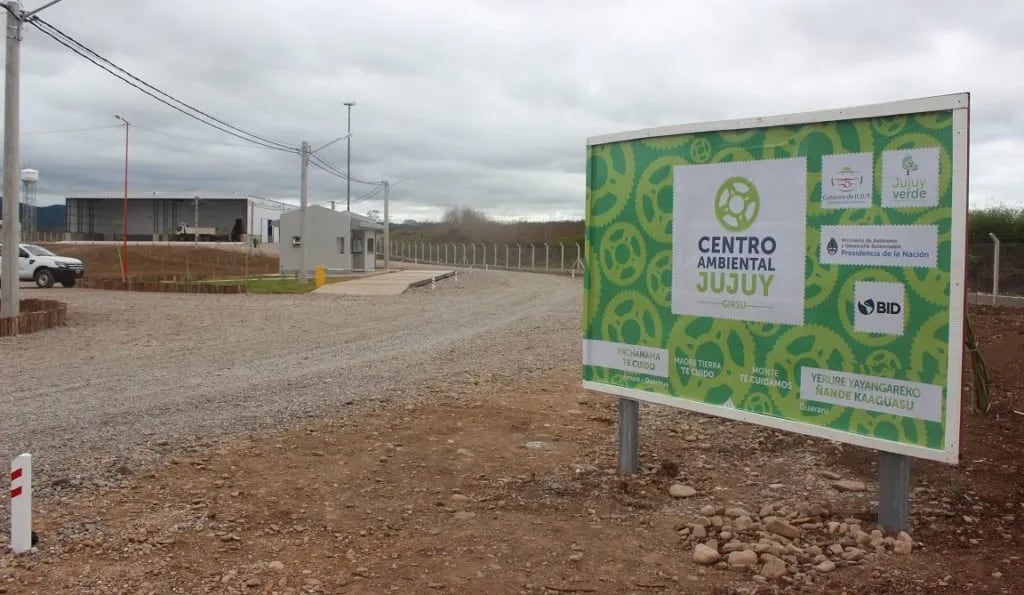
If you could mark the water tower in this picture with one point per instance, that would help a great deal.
(29, 179)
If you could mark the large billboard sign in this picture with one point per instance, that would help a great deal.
(802, 272)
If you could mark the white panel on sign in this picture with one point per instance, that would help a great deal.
(871, 393)
(880, 245)
(628, 358)
(846, 180)
(910, 178)
(739, 240)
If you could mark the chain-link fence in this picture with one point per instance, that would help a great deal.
(542, 257)
(568, 258)
(986, 275)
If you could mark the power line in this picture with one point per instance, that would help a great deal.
(98, 60)
(326, 166)
(153, 87)
(70, 130)
(198, 140)
(369, 195)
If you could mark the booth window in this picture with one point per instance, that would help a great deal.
(341, 245)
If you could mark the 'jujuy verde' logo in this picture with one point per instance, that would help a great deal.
(909, 189)
(737, 204)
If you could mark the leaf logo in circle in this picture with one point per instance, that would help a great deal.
(867, 307)
(737, 204)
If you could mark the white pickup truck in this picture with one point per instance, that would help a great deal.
(38, 264)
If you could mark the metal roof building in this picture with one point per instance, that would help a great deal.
(158, 215)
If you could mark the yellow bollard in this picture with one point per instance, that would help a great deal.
(321, 275)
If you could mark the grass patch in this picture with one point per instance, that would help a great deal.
(272, 285)
(278, 285)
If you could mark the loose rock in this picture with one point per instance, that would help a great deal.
(847, 485)
(742, 523)
(774, 568)
(742, 559)
(781, 527)
(678, 490)
(705, 555)
(736, 512)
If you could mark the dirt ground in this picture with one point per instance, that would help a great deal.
(496, 486)
(103, 261)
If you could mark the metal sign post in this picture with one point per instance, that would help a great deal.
(629, 436)
(894, 491)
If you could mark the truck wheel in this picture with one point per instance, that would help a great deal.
(44, 278)
(68, 283)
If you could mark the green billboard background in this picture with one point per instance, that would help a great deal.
(629, 262)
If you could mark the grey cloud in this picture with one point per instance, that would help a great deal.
(487, 103)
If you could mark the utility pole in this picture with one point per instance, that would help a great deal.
(387, 226)
(124, 213)
(303, 240)
(332, 205)
(195, 223)
(348, 159)
(9, 294)
(10, 306)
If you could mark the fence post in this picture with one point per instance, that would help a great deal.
(21, 504)
(519, 261)
(495, 255)
(995, 268)
(579, 253)
(547, 255)
(533, 257)
(506, 257)
(562, 246)
(474, 254)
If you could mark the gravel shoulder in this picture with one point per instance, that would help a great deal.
(439, 441)
(136, 376)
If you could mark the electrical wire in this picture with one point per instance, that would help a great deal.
(330, 168)
(70, 43)
(198, 140)
(169, 100)
(36, 20)
(70, 130)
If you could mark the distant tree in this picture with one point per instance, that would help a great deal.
(410, 222)
(464, 215)
(374, 215)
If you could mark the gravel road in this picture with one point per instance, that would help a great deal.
(135, 376)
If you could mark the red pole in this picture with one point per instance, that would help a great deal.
(124, 214)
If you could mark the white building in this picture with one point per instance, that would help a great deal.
(157, 215)
(340, 241)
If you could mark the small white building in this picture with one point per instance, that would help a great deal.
(340, 241)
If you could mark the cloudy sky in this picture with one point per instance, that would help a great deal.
(485, 103)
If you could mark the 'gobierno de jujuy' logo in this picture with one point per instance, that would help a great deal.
(737, 204)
